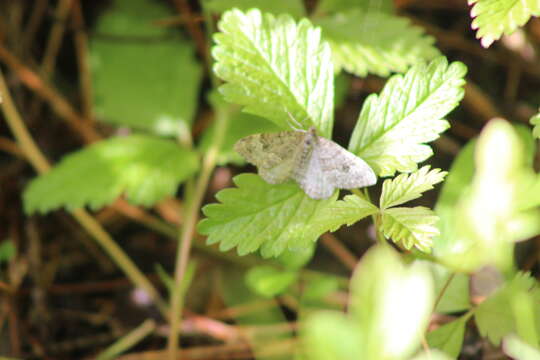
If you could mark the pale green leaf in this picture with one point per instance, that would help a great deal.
(449, 337)
(343, 212)
(456, 295)
(393, 126)
(535, 121)
(142, 76)
(432, 354)
(519, 350)
(494, 317)
(332, 335)
(410, 227)
(275, 67)
(269, 281)
(276, 7)
(331, 6)
(257, 215)
(392, 302)
(375, 42)
(407, 187)
(143, 168)
(481, 223)
(494, 18)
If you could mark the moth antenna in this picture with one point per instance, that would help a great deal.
(294, 122)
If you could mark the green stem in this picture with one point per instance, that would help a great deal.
(188, 229)
(128, 341)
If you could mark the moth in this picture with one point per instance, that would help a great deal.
(317, 164)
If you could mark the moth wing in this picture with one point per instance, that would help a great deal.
(341, 168)
(273, 154)
(312, 179)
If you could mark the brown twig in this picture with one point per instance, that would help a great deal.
(339, 251)
(193, 28)
(58, 103)
(81, 47)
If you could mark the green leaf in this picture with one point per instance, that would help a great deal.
(275, 67)
(375, 42)
(535, 121)
(331, 335)
(449, 337)
(240, 125)
(268, 281)
(410, 227)
(343, 212)
(7, 251)
(260, 215)
(494, 18)
(407, 187)
(494, 317)
(519, 350)
(433, 354)
(276, 7)
(456, 295)
(143, 168)
(330, 6)
(481, 224)
(143, 77)
(393, 127)
(392, 302)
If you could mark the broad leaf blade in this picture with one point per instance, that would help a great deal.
(392, 302)
(407, 187)
(257, 215)
(494, 18)
(449, 337)
(375, 42)
(410, 227)
(343, 212)
(144, 168)
(393, 127)
(275, 67)
(143, 77)
(494, 317)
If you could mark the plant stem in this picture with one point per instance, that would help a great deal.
(93, 227)
(187, 231)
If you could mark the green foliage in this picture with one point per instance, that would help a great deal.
(144, 77)
(259, 215)
(269, 281)
(375, 42)
(519, 349)
(455, 295)
(481, 220)
(389, 310)
(276, 7)
(449, 337)
(343, 212)
(407, 187)
(535, 121)
(390, 133)
(7, 251)
(330, 6)
(494, 18)
(143, 168)
(495, 318)
(275, 67)
(410, 227)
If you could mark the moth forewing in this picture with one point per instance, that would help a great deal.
(318, 165)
